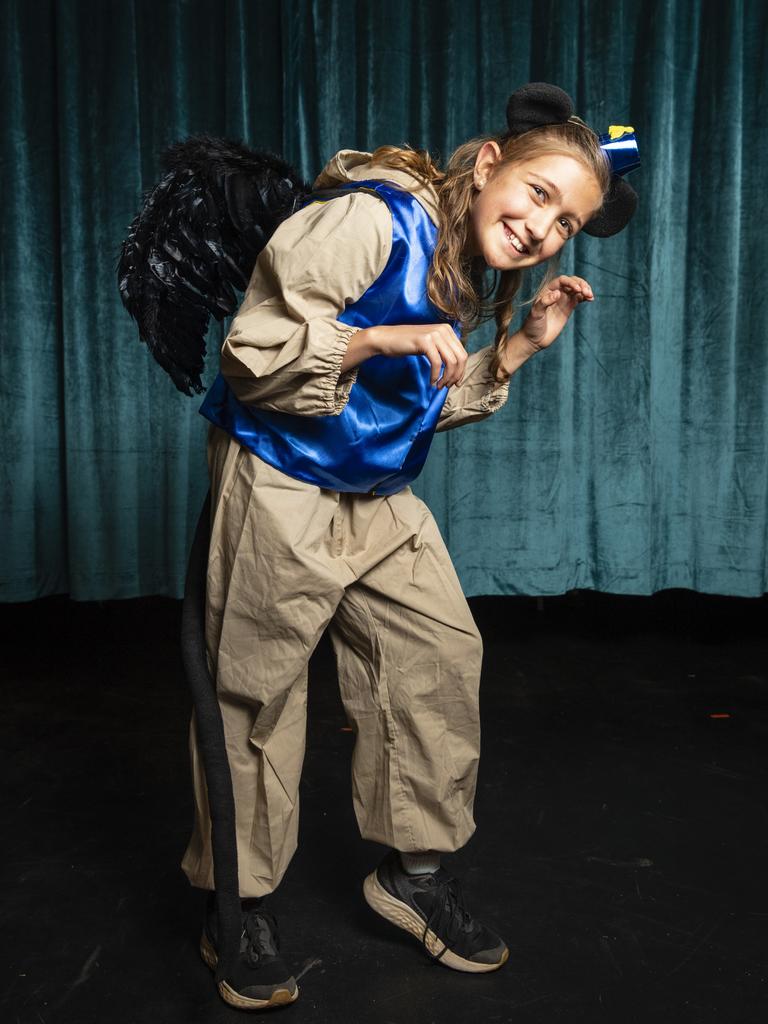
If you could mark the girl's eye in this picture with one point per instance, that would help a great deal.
(567, 224)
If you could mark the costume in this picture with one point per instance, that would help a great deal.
(306, 535)
(288, 558)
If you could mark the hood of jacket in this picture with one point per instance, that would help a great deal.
(355, 165)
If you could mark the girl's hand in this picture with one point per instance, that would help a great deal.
(438, 342)
(550, 313)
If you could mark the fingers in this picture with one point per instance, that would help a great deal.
(576, 287)
(432, 353)
(456, 353)
(445, 352)
(544, 301)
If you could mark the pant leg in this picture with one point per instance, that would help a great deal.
(409, 657)
(272, 587)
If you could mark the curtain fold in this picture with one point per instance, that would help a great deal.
(630, 457)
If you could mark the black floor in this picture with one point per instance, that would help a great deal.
(621, 850)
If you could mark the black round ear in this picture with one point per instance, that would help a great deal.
(537, 104)
(618, 208)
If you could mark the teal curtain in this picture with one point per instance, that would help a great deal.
(630, 457)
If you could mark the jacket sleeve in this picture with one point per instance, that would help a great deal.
(478, 395)
(285, 346)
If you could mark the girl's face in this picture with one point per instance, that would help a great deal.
(525, 212)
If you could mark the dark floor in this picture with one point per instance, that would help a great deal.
(622, 842)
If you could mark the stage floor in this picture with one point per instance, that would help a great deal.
(621, 847)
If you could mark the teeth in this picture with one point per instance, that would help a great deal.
(514, 240)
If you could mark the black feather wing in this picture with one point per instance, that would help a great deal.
(194, 243)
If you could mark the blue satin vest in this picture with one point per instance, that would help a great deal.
(379, 442)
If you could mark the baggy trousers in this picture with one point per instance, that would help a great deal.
(287, 560)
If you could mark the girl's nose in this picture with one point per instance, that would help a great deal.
(538, 224)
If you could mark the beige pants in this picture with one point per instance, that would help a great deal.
(288, 559)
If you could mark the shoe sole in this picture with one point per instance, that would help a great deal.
(401, 915)
(280, 997)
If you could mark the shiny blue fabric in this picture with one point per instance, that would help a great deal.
(622, 150)
(380, 440)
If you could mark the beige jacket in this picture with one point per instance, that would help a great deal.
(286, 344)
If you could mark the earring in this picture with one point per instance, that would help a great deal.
(479, 184)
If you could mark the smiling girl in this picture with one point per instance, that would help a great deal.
(514, 205)
(345, 357)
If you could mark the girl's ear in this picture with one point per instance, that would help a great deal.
(488, 156)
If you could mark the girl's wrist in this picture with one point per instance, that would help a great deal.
(517, 350)
(361, 346)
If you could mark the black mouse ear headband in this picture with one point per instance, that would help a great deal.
(539, 103)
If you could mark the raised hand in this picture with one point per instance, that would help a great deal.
(550, 313)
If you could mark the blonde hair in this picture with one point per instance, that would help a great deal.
(455, 281)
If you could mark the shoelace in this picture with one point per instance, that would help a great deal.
(449, 910)
(261, 936)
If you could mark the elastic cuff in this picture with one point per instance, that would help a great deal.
(495, 398)
(337, 385)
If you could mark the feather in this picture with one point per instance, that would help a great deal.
(194, 243)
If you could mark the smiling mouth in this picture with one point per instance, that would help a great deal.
(514, 242)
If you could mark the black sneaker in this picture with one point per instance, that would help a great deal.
(430, 907)
(260, 979)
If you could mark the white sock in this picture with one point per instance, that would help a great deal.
(420, 863)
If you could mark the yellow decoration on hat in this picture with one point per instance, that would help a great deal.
(617, 130)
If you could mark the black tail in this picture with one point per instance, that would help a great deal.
(210, 732)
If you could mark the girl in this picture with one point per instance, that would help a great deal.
(344, 358)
